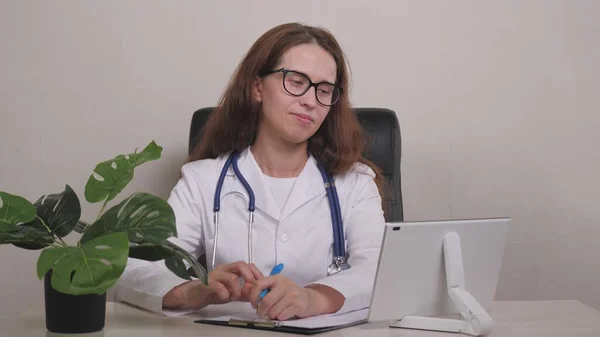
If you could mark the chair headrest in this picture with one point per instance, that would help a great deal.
(382, 133)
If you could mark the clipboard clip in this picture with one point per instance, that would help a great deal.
(255, 323)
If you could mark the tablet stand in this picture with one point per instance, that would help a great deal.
(474, 320)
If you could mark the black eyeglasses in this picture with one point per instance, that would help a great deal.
(297, 84)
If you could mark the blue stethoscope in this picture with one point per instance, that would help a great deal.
(339, 257)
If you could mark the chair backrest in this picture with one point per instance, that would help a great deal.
(384, 149)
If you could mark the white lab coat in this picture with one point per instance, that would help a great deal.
(300, 235)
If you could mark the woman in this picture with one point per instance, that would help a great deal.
(285, 113)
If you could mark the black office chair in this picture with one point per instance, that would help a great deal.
(383, 149)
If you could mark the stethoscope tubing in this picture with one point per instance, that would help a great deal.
(332, 197)
(334, 208)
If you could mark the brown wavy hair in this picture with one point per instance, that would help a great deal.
(338, 143)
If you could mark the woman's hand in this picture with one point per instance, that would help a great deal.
(225, 281)
(224, 286)
(287, 300)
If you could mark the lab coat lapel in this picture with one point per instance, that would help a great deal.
(308, 185)
(263, 198)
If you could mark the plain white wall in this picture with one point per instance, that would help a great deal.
(497, 101)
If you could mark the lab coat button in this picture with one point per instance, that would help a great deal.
(284, 238)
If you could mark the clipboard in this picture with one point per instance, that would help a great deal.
(306, 326)
(277, 326)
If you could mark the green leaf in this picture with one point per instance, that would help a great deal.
(60, 212)
(110, 177)
(92, 268)
(151, 152)
(49, 257)
(56, 214)
(14, 210)
(7, 227)
(150, 252)
(32, 236)
(24, 236)
(29, 233)
(19, 235)
(146, 219)
(174, 257)
(182, 254)
(176, 265)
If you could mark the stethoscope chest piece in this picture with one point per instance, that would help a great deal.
(339, 264)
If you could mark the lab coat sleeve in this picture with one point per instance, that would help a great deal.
(144, 283)
(364, 224)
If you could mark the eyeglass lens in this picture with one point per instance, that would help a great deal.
(298, 84)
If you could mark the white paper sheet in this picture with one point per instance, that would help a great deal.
(321, 321)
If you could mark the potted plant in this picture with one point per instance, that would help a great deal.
(76, 277)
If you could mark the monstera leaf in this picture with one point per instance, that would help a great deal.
(110, 177)
(176, 263)
(56, 214)
(19, 225)
(91, 268)
(14, 210)
(60, 212)
(174, 257)
(8, 228)
(177, 266)
(144, 217)
(161, 252)
(24, 237)
(31, 236)
(150, 252)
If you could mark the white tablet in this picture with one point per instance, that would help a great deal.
(411, 276)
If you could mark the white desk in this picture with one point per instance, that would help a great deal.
(514, 319)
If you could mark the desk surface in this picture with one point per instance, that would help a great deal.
(515, 319)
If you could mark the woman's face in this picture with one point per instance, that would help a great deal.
(294, 119)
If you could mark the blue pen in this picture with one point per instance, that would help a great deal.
(276, 270)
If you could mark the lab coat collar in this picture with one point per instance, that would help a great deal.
(308, 185)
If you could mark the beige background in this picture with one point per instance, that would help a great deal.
(498, 103)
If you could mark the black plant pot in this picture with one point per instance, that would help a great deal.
(73, 313)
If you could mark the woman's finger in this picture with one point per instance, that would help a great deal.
(275, 295)
(219, 294)
(287, 313)
(231, 282)
(281, 305)
(192, 294)
(258, 287)
(239, 268)
(246, 289)
(258, 275)
(243, 270)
